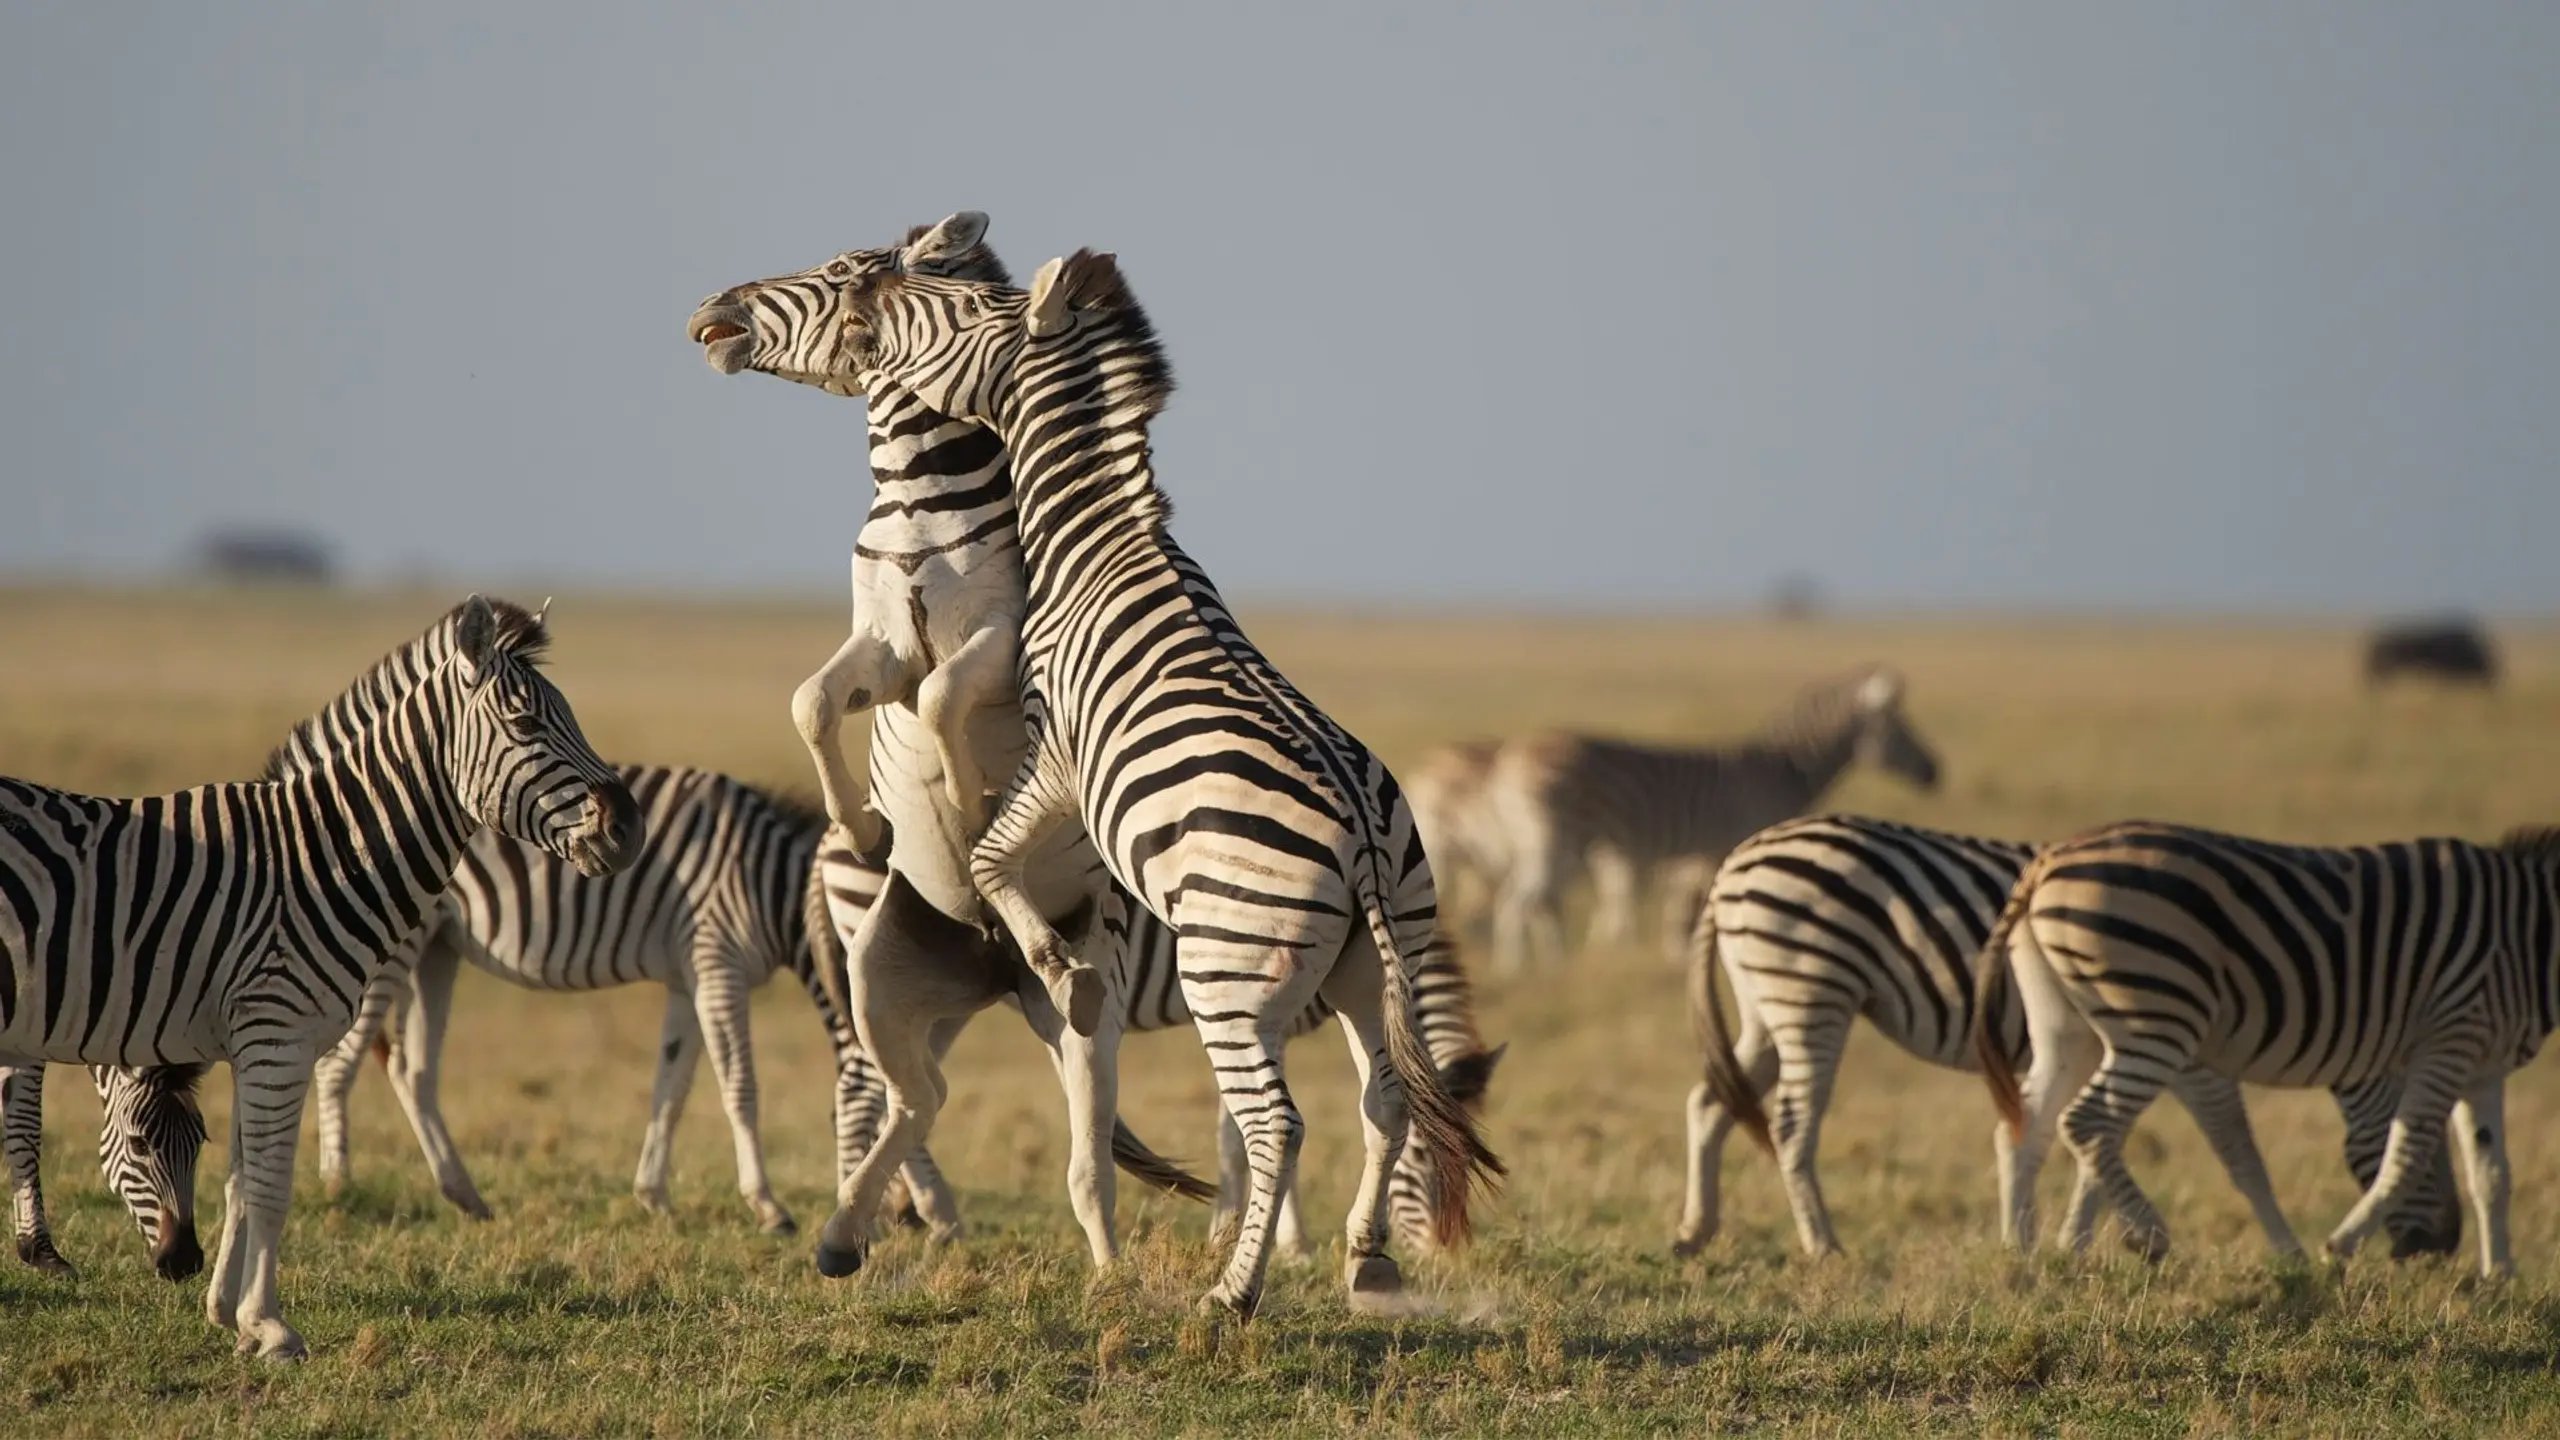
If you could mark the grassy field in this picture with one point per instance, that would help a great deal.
(575, 1313)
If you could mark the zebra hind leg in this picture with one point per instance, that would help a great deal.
(22, 1136)
(1355, 987)
(2223, 1115)
(2480, 1122)
(679, 1055)
(1808, 1062)
(1702, 1211)
(2094, 1127)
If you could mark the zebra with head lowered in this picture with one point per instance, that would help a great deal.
(1819, 921)
(939, 541)
(720, 900)
(148, 1141)
(241, 922)
(2142, 950)
(1230, 809)
(1629, 811)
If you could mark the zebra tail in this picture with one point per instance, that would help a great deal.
(1149, 1168)
(1991, 999)
(827, 953)
(1726, 1084)
(1438, 1121)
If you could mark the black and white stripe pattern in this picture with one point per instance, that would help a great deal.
(2143, 950)
(241, 922)
(1631, 812)
(148, 1142)
(1230, 808)
(1817, 922)
(719, 900)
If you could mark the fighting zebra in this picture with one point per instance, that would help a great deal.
(148, 1141)
(937, 570)
(1273, 844)
(720, 900)
(241, 922)
(2142, 950)
(1631, 811)
(1816, 922)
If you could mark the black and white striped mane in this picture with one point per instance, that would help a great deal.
(521, 634)
(2539, 843)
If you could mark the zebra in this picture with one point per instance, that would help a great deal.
(938, 549)
(2143, 949)
(719, 901)
(1460, 831)
(1629, 810)
(1274, 845)
(147, 1147)
(240, 922)
(1818, 921)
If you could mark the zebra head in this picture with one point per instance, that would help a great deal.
(147, 1149)
(1885, 736)
(517, 761)
(793, 325)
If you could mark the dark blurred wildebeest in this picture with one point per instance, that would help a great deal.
(2454, 650)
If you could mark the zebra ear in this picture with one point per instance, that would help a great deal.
(1882, 690)
(1049, 300)
(948, 241)
(475, 641)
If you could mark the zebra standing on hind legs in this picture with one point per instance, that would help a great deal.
(2142, 950)
(1629, 811)
(1231, 809)
(240, 922)
(939, 543)
(1816, 922)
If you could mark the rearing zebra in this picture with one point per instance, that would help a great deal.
(241, 922)
(1630, 811)
(1819, 921)
(2141, 950)
(1229, 807)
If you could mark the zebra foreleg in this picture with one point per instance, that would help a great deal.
(268, 1083)
(1089, 1072)
(978, 674)
(720, 1004)
(22, 1136)
(1040, 799)
(2430, 1221)
(2223, 1115)
(2429, 1085)
(2480, 1123)
(334, 1077)
(679, 1053)
(865, 671)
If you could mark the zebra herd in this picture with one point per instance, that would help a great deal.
(1089, 793)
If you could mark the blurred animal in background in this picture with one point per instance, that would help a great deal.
(1621, 813)
(1816, 922)
(1461, 831)
(2454, 650)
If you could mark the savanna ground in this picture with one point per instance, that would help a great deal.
(576, 1313)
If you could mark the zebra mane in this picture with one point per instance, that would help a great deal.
(521, 634)
(1822, 711)
(1138, 374)
(2533, 842)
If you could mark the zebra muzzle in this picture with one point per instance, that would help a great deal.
(722, 327)
(610, 836)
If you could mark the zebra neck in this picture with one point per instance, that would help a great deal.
(1084, 489)
(377, 830)
(1818, 756)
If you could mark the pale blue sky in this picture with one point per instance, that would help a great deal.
(2191, 305)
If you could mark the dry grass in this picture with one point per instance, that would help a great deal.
(575, 1313)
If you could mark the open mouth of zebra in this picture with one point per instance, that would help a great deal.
(728, 341)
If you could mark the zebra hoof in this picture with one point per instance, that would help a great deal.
(274, 1342)
(1376, 1275)
(2426, 1240)
(2151, 1245)
(842, 1245)
(1239, 1305)
(181, 1257)
(38, 1252)
(779, 1223)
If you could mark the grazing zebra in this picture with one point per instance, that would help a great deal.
(1460, 830)
(1630, 810)
(241, 922)
(1819, 921)
(719, 901)
(1274, 845)
(2141, 950)
(939, 556)
(147, 1147)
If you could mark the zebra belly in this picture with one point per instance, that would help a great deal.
(932, 840)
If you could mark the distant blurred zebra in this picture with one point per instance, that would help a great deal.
(2142, 950)
(720, 900)
(148, 1142)
(1627, 811)
(2453, 650)
(1819, 921)
(1461, 831)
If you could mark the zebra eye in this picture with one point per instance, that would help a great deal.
(839, 269)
